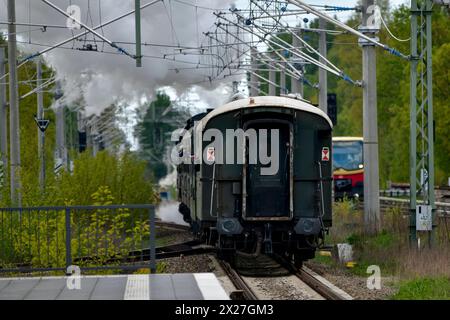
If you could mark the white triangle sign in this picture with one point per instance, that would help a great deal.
(42, 124)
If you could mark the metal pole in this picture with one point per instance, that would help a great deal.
(323, 75)
(272, 79)
(152, 241)
(68, 240)
(421, 123)
(41, 134)
(253, 79)
(412, 125)
(295, 84)
(283, 82)
(3, 115)
(16, 198)
(138, 33)
(430, 119)
(370, 125)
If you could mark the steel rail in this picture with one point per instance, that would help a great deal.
(314, 281)
(319, 286)
(238, 281)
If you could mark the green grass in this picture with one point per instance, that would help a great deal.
(424, 289)
(383, 240)
(324, 259)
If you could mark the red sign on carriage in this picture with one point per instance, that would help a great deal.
(211, 154)
(325, 154)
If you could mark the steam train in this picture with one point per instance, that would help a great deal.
(348, 167)
(237, 200)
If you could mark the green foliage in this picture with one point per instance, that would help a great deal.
(354, 239)
(393, 94)
(154, 131)
(346, 221)
(98, 237)
(393, 77)
(424, 289)
(38, 238)
(124, 176)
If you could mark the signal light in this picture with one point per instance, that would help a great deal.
(332, 107)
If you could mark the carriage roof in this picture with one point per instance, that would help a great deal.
(252, 102)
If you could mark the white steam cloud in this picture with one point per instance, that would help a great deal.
(105, 78)
(168, 212)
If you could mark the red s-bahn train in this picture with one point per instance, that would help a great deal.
(348, 167)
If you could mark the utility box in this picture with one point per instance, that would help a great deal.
(424, 218)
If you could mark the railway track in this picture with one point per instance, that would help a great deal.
(310, 280)
(188, 248)
(319, 284)
(245, 292)
(171, 226)
(244, 289)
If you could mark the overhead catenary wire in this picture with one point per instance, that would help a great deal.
(116, 53)
(294, 72)
(342, 25)
(112, 44)
(49, 48)
(297, 53)
(293, 34)
(390, 33)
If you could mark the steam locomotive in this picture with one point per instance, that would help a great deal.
(255, 177)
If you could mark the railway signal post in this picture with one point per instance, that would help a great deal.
(41, 130)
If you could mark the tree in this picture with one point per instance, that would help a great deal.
(154, 131)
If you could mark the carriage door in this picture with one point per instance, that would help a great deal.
(267, 197)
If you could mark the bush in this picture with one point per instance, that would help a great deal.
(37, 238)
(124, 175)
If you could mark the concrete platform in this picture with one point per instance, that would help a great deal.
(199, 286)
